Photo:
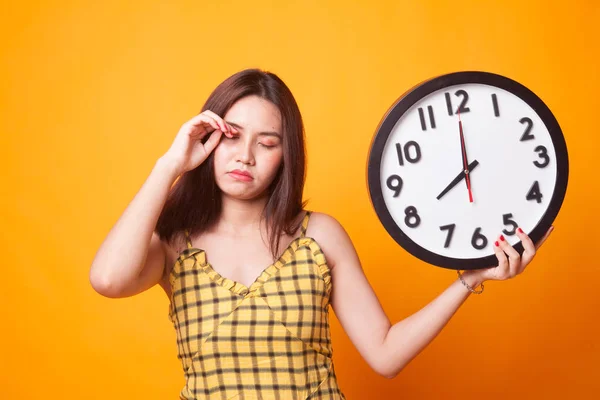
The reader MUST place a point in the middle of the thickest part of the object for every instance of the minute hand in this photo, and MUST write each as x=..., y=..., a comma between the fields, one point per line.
x=464, y=157
x=458, y=178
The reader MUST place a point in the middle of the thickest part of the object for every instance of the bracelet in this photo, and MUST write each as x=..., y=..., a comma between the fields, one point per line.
x=467, y=285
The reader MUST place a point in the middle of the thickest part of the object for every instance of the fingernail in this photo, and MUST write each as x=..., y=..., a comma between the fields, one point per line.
x=502, y=237
x=520, y=230
x=496, y=243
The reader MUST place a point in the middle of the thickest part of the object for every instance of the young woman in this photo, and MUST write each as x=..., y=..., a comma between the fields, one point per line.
x=220, y=224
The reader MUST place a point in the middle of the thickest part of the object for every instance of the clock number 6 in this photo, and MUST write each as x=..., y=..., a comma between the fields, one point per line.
x=506, y=218
x=474, y=240
x=478, y=236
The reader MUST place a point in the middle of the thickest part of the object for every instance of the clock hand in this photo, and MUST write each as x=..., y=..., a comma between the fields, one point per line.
x=461, y=175
x=464, y=157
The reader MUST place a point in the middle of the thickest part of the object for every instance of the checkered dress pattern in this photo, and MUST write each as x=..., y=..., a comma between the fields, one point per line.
x=267, y=341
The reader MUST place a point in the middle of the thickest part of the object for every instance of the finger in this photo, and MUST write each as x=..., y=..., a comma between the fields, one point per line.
x=212, y=141
x=199, y=119
x=224, y=126
x=529, y=249
x=502, y=262
x=218, y=119
x=514, y=258
x=232, y=129
x=204, y=120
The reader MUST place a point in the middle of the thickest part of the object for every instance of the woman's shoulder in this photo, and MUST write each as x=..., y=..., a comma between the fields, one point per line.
x=322, y=222
x=329, y=234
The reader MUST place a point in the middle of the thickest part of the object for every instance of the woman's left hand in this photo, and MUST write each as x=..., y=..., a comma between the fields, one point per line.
x=510, y=263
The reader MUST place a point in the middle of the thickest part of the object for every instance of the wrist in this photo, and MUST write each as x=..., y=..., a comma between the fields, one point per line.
x=472, y=278
x=168, y=165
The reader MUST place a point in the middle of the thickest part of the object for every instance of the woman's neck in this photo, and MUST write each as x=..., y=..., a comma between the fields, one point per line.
x=241, y=217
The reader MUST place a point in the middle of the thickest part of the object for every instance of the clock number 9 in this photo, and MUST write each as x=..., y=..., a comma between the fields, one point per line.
x=394, y=182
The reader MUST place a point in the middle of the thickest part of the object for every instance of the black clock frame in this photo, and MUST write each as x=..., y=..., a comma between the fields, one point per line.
x=404, y=103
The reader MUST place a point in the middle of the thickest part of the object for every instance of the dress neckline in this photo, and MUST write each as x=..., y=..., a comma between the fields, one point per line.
x=263, y=276
x=261, y=279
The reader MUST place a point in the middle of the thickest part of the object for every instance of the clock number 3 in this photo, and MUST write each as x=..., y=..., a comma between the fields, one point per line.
x=527, y=135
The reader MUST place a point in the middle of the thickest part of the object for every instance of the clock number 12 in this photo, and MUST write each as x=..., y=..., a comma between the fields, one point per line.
x=462, y=108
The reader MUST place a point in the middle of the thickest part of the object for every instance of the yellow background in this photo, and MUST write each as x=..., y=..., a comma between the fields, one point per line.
x=92, y=93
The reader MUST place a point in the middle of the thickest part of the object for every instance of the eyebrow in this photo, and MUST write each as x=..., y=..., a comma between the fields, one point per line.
x=268, y=133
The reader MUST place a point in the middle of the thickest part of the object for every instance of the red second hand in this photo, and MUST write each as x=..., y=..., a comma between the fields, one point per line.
x=462, y=142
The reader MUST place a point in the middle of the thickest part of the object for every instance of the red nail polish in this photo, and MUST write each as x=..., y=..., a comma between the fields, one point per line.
x=496, y=243
x=502, y=237
x=520, y=230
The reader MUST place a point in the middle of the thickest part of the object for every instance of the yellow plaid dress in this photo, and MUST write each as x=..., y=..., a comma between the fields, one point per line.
x=267, y=341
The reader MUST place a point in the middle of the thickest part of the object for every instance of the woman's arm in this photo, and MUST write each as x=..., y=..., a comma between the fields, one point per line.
x=386, y=348
x=131, y=259
x=408, y=337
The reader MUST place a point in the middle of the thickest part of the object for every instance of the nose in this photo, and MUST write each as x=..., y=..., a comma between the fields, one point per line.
x=245, y=154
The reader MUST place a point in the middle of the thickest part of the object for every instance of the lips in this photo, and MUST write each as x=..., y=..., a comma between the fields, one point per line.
x=241, y=174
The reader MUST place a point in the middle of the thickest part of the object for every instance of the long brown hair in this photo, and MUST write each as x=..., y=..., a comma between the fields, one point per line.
x=194, y=201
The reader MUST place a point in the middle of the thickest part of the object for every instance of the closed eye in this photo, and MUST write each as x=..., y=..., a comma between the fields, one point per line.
x=266, y=145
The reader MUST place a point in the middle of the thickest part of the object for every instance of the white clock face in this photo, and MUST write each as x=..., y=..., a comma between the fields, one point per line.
x=512, y=170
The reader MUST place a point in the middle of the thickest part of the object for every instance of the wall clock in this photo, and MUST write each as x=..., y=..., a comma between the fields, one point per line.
x=460, y=159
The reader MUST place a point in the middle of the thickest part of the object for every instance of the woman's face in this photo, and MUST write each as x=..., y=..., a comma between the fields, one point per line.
x=256, y=150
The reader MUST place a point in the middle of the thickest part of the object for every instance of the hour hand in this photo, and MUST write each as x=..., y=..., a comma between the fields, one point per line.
x=458, y=179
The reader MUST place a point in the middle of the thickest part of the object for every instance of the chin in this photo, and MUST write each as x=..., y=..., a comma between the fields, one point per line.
x=239, y=193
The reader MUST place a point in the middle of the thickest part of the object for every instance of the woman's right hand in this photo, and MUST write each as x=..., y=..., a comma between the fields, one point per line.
x=187, y=150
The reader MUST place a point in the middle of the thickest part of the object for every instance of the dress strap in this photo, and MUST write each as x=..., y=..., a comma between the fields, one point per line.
x=187, y=239
x=304, y=224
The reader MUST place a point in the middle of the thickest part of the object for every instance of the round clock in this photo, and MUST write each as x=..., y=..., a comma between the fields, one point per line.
x=462, y=158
